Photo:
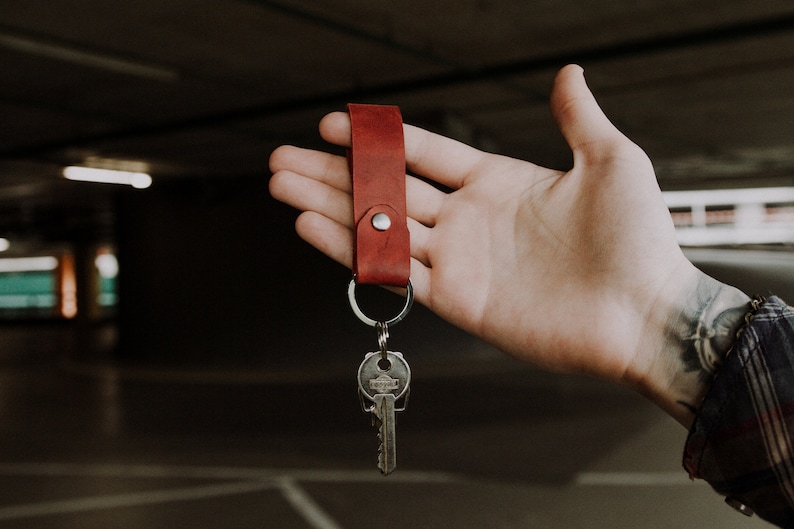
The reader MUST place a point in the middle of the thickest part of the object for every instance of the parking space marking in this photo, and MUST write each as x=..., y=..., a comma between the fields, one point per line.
x=305, y=505
x=220, y=472
x=243, y=481
x=132, y=499
x=634, y=479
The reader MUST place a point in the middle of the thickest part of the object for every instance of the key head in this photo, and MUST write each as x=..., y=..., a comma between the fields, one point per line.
x=380, y=376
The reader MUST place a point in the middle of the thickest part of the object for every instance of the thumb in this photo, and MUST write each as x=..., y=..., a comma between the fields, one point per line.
x=582, y=122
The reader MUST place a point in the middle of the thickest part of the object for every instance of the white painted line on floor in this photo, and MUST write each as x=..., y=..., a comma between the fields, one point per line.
x=135, y=471
x=216, y=472
x=633, y=479
x=373, y=476
x=305, y=505
x=132, y=499
x=274, y=475
x=254, y=480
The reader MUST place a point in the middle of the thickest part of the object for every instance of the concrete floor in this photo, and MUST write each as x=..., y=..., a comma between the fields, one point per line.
x=494, y=444
x=486, y=442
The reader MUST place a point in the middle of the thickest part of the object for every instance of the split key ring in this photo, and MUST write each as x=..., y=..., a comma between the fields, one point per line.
x=351, y=296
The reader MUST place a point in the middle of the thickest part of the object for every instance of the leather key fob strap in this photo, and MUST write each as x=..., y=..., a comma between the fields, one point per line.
x=382, y=253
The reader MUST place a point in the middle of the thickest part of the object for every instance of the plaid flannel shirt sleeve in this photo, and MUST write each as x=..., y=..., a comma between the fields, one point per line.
x=741, y=440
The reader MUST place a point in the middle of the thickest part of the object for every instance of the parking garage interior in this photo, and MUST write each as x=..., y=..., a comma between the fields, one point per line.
x=176, y=356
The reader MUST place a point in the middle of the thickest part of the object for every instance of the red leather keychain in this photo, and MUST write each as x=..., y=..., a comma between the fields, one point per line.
x=377, y=164
x=382, y=250
x=382, y=256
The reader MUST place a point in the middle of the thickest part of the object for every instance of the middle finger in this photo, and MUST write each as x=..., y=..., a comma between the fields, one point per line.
x=423, y=201
x=321, y=166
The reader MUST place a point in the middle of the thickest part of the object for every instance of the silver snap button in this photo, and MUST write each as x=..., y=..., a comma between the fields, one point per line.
x=381, y=221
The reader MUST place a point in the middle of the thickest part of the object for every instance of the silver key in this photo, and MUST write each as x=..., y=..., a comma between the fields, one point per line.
x=384, y=380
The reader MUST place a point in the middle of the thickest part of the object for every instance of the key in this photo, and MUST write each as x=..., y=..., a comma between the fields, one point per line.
x=384, y=380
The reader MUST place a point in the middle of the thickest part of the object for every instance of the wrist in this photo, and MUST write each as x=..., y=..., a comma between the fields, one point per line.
x=690, y=334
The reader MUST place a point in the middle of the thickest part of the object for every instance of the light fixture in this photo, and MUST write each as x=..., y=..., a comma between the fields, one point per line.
x=67, y=52
x=107, y=176
x=28, y=264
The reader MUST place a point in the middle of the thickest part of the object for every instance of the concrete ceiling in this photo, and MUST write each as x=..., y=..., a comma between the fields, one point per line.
x=198, y=89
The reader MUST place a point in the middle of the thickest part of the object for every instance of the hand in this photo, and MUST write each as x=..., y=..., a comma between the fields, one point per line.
x=574, y=271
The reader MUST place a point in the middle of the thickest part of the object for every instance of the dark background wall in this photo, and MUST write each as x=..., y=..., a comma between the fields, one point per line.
x=214, y=275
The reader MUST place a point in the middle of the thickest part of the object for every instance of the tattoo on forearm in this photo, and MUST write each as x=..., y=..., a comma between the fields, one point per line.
x=710, y=337
x=707, y=331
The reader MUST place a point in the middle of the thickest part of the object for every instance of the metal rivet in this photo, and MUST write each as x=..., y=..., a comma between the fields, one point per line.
x=381, y=222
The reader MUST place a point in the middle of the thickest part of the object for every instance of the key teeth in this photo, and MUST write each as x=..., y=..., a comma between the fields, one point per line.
x=382, y=456
x=382, y=461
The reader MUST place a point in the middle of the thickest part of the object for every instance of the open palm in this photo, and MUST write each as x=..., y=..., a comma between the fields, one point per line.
x=563, y=269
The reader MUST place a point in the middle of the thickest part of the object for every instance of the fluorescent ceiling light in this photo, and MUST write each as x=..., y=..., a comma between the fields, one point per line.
x=107, y=176
x=85, y=57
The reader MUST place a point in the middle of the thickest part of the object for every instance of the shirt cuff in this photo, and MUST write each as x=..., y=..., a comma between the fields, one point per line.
x=741, y=439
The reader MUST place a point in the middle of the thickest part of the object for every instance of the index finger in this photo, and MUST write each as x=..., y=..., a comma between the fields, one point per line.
x=441, y=159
